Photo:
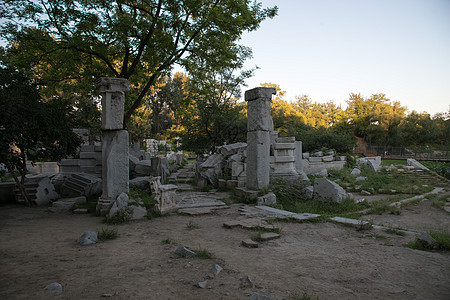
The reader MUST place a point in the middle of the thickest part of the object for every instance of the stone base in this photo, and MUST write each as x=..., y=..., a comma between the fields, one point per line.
x=104, y=206
x=289, y=177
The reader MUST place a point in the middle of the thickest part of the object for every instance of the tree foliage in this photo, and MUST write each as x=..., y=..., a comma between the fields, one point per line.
x=72, y=42
x=30, y=128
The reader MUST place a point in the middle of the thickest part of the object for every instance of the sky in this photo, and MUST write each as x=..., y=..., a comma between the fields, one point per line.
x=328, y=49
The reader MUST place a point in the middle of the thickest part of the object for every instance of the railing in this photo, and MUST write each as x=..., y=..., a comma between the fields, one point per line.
x=416, y=152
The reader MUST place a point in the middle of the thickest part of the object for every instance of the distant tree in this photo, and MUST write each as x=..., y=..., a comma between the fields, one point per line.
x=72, y=42
x=31, y=129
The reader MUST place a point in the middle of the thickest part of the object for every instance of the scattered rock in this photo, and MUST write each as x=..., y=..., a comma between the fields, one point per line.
x=308, y=192
x=137, y=212
x=267, y=199
x=217, y=269
x=251, y=280
x=356, y=171
x=87, y=238
x=363, y=192
x=141, y=183
x=61, y=206
x=54, y=287
x=202, y=284
x=361, y=178
x=249, y=243
x=184, y=252
x=427, y=240
x=417, y=165
x=80, y=211
x=321, y=172
x=232, y=223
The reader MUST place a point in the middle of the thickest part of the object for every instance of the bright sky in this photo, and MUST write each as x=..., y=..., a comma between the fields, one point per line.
x=328, y=49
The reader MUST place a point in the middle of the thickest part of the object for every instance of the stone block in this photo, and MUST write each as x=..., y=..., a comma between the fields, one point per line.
x=228, y=150
x=141, y=183
x=317, y=154
x=305, y=155
x=417, y=165
x=113, y=99
x=237, y=168
x=285, y=139
x=61, y=206
x=268, y=199
x=87, y=238
x=298, y=156
x=258, y=168
x=329, y=191
x=260, y=92
x=115, y=162
x=143, y=168
x=327, y=158
x=290, y=146
x=249, y=243
x=314, y=159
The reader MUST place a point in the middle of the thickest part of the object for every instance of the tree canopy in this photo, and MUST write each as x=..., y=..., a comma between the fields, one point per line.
x=72, y=42
x=30, y=128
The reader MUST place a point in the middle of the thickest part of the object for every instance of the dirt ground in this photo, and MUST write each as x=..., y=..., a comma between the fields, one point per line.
x=324, y=260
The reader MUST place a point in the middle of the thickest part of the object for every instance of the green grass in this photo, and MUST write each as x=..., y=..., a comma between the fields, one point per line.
x=192, y=225
x=90, y=205
x=388, y=162
x=107, y=234
x=121, y=217
x=442, y=238
x=204, y=254
x=166, y=241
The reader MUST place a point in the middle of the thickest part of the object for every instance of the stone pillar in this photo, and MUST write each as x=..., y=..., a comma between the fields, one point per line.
x=259, y=127
x=115, y=163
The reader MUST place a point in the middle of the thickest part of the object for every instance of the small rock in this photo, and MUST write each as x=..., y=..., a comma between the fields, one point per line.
x=356, y=171
x=363, y=192
x=266, y=236
x=138, y=268
x=231, y=224
x=202, y=284
x=427, y=240
x=87, y=238
x=185, y=252
x=361, y=178
x=249, y=243
x=251, y=280
x=54, y=287
x=217, y=269
x=107, y=295
x=80, y=211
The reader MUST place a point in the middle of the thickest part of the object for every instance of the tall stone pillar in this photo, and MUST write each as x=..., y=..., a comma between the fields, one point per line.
x=115, y=169
x=259, y=127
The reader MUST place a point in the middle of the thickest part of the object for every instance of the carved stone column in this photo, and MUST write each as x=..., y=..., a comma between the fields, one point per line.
x=115, y=168
x=259, y=127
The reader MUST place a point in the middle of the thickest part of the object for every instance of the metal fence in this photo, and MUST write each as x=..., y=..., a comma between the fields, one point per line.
x=416, y=152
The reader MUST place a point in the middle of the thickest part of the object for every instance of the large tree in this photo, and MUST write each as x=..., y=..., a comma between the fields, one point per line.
x=30, y=128
x=75, y=41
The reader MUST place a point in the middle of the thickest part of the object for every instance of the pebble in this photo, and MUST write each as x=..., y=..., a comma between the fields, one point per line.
x=54, y=287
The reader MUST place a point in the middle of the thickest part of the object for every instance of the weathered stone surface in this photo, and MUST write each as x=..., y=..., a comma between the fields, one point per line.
x=211, y=169
x=54, y=287
x=361, y=178
x=40, y=190
x=202, y=284
x=317, y=154
x=326, y=190
x=305, y=155
x=267, y=236
x=137, y=212
x=61, y=206
x=256, y=296
x=164, y=196
x=184, y=252
x=87, y=238
x=232, y=149
x=356, y=171
x=119, y=204
x=427, y=240
x=249, y=243
x=141, y=183
x=298, y=157
x=321, y=172
x=115, y=164
x=258, y=115
x=314, y=159
x=308, y=192
x=372, y=162
x=417, y=165
x=143, y=168
x=237, y=168
x=327, y=158
x=258, y=159
x=113, y=99
x=268, y=199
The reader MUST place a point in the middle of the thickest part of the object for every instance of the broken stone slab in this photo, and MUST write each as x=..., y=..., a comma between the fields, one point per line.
x=40, y=190
x=232, y=149
x=141, y=183
x=87, y=238
x=267, y=236
x=317, y=154
x=231, y=224
x=61, y=206
x=249, y=243
x=137, y=212
x=321, y=172
x=326, y=190
x=308, y=192
x=351, y=222
x=328, y=158
x=184, y=252
x=313, y=159
x=417, y=165
x=299, y=217
x=143, y=168
x=202, y=284
x=267, y=199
